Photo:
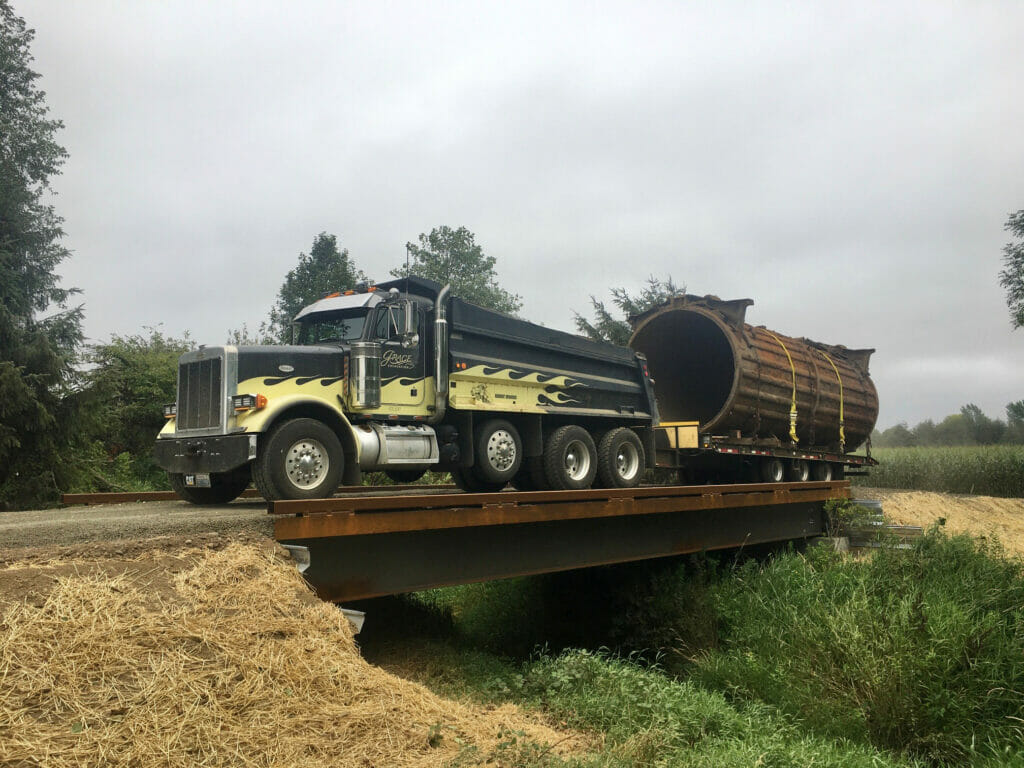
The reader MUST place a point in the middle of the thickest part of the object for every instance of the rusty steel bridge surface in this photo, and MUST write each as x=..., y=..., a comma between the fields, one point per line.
x=368, y=546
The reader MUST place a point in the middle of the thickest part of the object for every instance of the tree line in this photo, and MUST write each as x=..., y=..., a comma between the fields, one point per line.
x=969, y=427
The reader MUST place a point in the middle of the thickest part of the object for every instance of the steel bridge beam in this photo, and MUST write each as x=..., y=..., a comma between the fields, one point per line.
x=361, y=548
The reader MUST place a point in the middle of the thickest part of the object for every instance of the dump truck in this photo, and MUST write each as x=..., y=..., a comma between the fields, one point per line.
x=404, y=377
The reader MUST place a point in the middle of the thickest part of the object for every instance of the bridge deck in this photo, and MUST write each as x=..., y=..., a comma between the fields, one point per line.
x=362, y=547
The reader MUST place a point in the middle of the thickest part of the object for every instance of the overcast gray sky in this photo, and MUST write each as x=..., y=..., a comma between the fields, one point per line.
x=849, y=166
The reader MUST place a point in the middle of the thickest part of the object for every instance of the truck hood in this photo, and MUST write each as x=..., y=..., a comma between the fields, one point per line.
x=280, y=362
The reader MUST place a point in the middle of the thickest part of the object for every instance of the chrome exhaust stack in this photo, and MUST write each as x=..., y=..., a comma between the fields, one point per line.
x=440, y=356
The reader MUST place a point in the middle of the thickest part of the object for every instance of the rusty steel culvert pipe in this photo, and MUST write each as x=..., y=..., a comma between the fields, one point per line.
x=710, y=366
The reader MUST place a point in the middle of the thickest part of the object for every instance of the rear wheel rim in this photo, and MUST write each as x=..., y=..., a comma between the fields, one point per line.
x=501, y=450
x=307, y=463
x=577, y=460
x=627, y=461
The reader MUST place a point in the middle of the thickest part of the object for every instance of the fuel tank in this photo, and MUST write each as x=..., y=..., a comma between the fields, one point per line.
x=710, y=365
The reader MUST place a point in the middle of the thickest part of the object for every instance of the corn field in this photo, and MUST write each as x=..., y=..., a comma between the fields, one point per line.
x=990, y=470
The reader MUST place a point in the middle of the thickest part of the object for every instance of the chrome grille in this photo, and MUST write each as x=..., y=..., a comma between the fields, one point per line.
x=200, y=394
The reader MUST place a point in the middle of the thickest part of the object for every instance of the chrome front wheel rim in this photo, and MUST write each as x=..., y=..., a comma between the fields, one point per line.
x=307, y=463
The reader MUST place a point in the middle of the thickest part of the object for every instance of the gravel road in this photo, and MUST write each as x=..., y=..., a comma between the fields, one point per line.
x=110, y=522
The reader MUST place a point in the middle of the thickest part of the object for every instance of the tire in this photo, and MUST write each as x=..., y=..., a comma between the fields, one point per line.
x=467, y=481
x=570, y=459
x=299, y=459
x=620, y=459
x=498, y=452
x=772, y=470
x=404, y=476
x=799, y=471
x=821, y=471
x=224, y=486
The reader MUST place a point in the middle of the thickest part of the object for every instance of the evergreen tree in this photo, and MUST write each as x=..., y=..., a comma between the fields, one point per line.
x=452, y=257
x=325, y=270
x=37, y=350
x=606, y=327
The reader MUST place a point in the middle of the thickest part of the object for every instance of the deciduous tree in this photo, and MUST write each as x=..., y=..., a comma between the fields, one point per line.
x=1012, y=276
x=451, y=256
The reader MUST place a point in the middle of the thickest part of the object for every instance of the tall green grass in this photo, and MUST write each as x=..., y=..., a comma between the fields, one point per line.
x=909, y=657
x=920, y=651
x=990, y=470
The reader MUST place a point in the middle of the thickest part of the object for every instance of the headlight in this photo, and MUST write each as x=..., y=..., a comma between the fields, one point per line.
x=248, y=402
x=170, y=410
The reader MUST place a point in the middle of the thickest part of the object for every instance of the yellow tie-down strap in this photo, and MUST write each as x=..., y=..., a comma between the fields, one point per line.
x=792, y=405
x=842, y=423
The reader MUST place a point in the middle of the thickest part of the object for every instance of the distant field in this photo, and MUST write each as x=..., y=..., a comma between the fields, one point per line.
x=995, y=470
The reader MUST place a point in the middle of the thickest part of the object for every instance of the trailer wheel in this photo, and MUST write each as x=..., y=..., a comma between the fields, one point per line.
x=822, y=471
x=799, y=471
x=404, y=476
x=466, y=480
x=499, y=451
x=299, y=459
x=224, y=486
x=772, y=470
x=570, y=459
x=620, y=459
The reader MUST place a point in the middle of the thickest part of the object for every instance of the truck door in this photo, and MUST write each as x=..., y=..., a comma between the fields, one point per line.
x=402, y=360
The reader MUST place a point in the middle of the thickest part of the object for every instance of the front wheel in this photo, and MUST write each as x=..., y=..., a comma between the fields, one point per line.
x=620, y=459
x=224, y=486
x=299, y=459
x=570, y=459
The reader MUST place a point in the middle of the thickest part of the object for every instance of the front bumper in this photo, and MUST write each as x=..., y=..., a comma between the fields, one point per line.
x=219, y=453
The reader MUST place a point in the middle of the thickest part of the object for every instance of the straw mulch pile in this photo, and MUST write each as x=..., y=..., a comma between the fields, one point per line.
x=233, y=664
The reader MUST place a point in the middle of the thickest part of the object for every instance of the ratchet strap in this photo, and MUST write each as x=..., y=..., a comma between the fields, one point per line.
x=842, y=423
x=792, y=405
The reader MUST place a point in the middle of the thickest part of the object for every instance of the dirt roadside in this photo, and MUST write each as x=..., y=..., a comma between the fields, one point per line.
x=977, y=515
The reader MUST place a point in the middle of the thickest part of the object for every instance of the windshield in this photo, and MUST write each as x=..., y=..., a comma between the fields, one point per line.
x=332, y=327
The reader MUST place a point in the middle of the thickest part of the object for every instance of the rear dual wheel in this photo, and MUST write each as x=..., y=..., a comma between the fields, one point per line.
x=620, y=459
x=570, y=459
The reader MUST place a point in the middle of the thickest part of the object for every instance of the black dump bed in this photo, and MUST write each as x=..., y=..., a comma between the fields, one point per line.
x=600, y=378
x=566, y=374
